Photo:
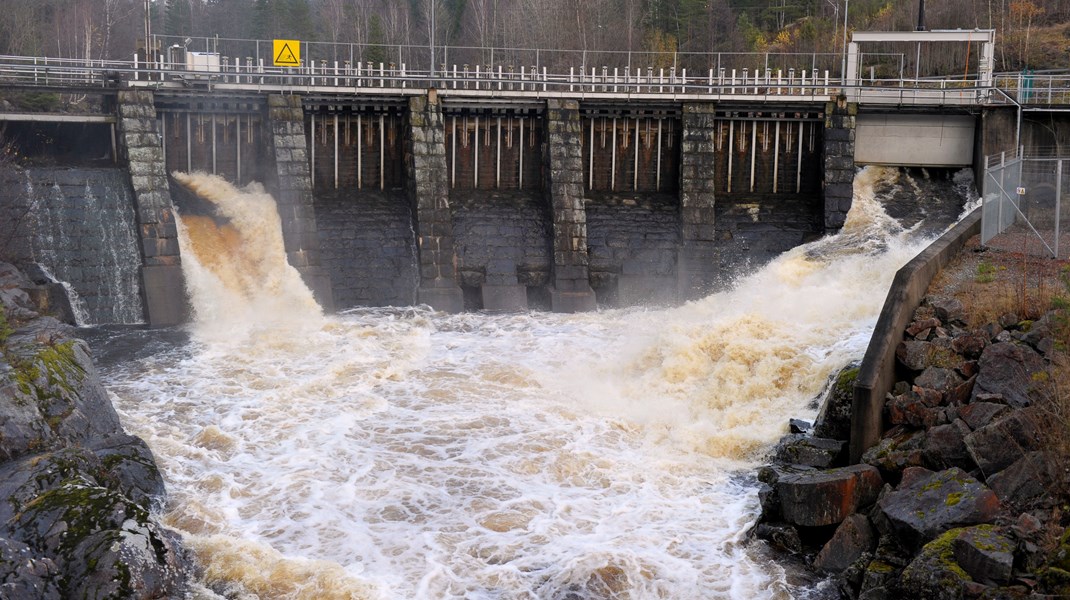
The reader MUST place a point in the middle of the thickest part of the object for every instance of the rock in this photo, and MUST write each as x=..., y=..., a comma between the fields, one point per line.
x=854, y=537
x=129, y=460
x=1008, y=369
x=945, y=446
x=1008, y=320
x=910, y=409
x=939, y=379
x=103, y=544
x=991, y=331
x=24, y=575
x=927, y=504
x=979, y=414
x=801, y=449
x=896, y=451
x=971, y=345
x=13, y=297
x=782, y=535
x=985, y=554
x=922, y=325
x=934, y=574
x=947, y=309
x=914, y=355
x=827, y=497
x=834, y=420
x=1041, y=335
x=799, y=426
x=1027, y=481
x=997, y=445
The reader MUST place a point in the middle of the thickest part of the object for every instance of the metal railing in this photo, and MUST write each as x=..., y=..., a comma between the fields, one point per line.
x=1045, y=89
x=364, y=77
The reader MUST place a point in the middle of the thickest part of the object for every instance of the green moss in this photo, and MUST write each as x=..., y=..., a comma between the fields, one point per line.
x=879, y=566
x=845, y=383
x=953, y=498
x=942, y=548
x=5, y=328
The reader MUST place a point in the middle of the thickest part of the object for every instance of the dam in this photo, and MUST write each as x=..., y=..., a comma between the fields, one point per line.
x=504, y=190
x=409, y=444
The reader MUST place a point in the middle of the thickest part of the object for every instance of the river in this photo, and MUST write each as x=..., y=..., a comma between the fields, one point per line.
x=402, y=453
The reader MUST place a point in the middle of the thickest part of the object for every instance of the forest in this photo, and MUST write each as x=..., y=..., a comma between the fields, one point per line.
x=1031, y=34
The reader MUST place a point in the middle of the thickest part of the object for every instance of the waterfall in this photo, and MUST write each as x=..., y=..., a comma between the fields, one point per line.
x=235, y=267
x=84, y=234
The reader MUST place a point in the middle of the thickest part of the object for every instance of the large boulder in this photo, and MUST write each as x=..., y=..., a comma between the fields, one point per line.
x=1007, y=369
x=985, y=554
x=1027, y=482
x=997, y=445
x=928, y=503
x=801, y=449
x=934, y=574
x=103, y=544
x=945, y=446
x=820, y=498
x=834, y=419
x=853, y=538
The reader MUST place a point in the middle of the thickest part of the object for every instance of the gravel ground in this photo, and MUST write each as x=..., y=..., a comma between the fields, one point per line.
x=1013, y=273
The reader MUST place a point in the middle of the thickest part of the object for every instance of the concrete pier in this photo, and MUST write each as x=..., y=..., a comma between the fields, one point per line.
x=162, y=284
x=571, y=291
x=292, y=190
x=429, y=192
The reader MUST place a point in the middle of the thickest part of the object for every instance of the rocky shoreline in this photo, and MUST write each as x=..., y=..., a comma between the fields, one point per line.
x=75, y=489
x=964, y=495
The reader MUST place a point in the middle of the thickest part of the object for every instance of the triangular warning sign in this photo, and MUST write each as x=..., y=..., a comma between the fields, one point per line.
x=287, y=53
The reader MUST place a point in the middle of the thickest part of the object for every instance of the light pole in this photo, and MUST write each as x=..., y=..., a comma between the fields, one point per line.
x=843, y=65
x=432, y=38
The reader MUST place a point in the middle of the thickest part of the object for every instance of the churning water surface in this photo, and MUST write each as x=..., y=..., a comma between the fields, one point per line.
x=403, y=453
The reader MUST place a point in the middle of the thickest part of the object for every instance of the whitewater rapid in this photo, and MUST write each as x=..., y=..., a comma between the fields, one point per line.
x=402, y=453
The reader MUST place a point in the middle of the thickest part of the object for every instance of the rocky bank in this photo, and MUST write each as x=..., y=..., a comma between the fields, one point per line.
x=75, y=488
x=963, y=497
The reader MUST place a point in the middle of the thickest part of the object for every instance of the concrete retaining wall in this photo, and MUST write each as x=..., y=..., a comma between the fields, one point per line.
x=876, y=376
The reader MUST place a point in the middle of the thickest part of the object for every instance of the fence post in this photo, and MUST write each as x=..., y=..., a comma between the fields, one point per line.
x=1058, y=201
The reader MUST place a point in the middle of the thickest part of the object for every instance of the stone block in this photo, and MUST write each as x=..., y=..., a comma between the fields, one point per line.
x=573, y=301
x=165, y=295
x=827, y=497
x=504, y=298
x=442, y=294
x=926, y=504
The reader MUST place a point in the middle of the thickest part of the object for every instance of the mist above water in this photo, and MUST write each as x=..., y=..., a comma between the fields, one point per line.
x=402, y=453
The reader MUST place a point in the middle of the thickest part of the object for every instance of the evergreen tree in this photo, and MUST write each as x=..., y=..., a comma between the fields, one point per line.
x=178, y=18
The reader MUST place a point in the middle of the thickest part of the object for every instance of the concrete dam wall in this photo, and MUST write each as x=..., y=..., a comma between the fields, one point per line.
x=468, y=204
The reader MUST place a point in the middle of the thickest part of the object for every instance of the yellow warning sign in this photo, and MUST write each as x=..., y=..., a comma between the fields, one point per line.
x=287, y=53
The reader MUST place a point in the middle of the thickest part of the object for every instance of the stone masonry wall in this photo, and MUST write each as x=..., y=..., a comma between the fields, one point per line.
x=368, y=247
x=698, y=259
x=293, y=194
x=425, y=165
x=839, y=161
x=564, y=155
x=162, y=285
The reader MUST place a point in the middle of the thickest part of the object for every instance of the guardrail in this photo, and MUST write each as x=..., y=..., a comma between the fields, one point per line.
x=345, y=77
x=1045, y=89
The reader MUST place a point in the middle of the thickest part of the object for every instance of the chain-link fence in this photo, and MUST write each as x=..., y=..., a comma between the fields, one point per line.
x=1022, y=203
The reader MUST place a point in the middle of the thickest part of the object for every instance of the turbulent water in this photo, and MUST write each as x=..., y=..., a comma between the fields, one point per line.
x=396, y=454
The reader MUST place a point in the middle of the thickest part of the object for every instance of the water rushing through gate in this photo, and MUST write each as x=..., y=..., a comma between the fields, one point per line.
x=400, y=453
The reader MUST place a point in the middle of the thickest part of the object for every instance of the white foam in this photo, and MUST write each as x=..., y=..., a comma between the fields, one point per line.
x=408, y=454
